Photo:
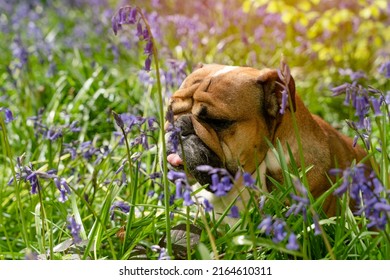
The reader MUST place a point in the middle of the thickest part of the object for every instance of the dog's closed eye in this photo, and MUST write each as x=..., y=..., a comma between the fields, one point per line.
x=219, y=124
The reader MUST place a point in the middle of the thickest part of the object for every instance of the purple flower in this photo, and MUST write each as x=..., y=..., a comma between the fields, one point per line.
x=148, y=63
x=301, y=201
x=148, y=48
x=376, y=106
x=340, y=90
x=175, y=175
x=187, y=198
x=276, y=228
x=164, y=255
x=234, y=213
x=359, y=98
x=220, y=186
x=283, y=105
x=8, y=114
x=248, y=180
x=121, y=205
x=118, y=120
x=208, y=207
x=33, y=179
x=266, y=225
x=128, y=15
x=173, y=137
x=385, y=69
x=63, y=187
x=74, y=229
x=367, y=191
x=183, y=189
x=354, y=75
x=317, y=227
x=292, y=242
x=19, y=52
x=54, y=133
x=285, y=77
x=279, y=230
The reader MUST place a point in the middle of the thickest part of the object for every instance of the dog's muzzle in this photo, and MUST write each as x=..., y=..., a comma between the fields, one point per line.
x=191, y=151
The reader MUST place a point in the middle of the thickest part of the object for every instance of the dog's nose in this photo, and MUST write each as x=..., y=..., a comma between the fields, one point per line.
x=185, y=125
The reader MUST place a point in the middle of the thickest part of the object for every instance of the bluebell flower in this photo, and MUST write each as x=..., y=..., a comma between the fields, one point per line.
x=354, y=75
x=74, y=229
x=33, y=179
x=19, y=52
x=148, y=48
x=279, y=231
x=128, y=15
x=276, y=229
x=9, y=117
x=118, y=120
x=63, y=187
x=183, y=188
x=385, y=69
x=221, y=180
x=220, y=186
x=121, y=205
x=148, y=63
x=266, y=225
x=376, y=106
x=292, y=242
x=284, y=102
x=317, y=227
x=301, y=201
x=359, y=98
x=234, y=212
x=285, y=77
x=164, y=255
x=187, y=198
x=208, y=207
x=27, y=173
x=54, y=133
x=368, y=193
x=174, y=138
x=248, y=180
x=175, y=175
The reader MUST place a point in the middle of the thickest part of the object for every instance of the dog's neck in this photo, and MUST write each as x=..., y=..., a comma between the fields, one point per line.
x=288, y=137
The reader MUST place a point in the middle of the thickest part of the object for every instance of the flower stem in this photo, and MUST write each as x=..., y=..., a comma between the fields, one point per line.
x=162, y=132
x=17, y=184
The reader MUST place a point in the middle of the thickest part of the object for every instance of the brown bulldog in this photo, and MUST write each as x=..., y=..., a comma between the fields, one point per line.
x=226, y=113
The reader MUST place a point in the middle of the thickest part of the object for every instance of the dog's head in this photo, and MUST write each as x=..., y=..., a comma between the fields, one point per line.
x=225, y=114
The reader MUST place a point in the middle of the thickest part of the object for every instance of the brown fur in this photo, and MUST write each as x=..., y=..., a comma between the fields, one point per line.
x=251, y=98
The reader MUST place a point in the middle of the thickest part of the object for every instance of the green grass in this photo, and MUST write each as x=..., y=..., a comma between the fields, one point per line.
x=97, y=74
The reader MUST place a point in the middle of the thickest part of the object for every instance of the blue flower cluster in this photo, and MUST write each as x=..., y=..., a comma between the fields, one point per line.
x=121, y=205
x=368, y=192
x=276, y=228
x=129, y=16
x=27, y=173
x=285, y=77
x=74, y=229
x=183, y=188
x=9, y=117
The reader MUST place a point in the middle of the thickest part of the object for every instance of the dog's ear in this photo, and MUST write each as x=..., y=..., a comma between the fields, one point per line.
x=273, y=88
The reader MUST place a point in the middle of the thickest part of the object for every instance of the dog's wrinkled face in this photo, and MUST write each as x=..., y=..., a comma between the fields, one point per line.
x=225, y=115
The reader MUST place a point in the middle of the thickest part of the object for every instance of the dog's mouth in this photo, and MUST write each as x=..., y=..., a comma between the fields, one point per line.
x=191, y=153
x=175, y=162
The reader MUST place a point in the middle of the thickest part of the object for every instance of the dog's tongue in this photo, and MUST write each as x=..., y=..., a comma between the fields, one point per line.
x=174, y=160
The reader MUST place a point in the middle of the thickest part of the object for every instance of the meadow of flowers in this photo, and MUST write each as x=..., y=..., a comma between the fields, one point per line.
x=83, y=91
